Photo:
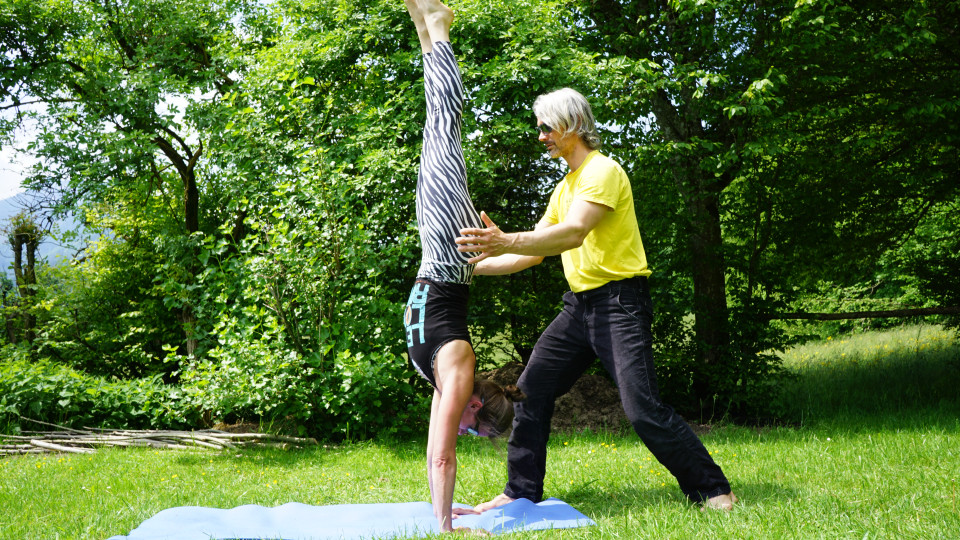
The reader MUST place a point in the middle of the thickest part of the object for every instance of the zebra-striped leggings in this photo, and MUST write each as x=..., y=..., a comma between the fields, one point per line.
x=443, y=200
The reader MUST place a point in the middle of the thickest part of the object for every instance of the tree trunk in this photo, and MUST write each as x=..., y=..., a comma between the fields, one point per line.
x=8, y=317
x=709, y=294
x=26, y=276
x=188, y=322
x=185, y=164
x=191, y=204
x=191, y=198
x=701, y=194
x=10, y=328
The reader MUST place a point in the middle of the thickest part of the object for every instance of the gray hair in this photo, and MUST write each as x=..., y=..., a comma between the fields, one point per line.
x=567, y=111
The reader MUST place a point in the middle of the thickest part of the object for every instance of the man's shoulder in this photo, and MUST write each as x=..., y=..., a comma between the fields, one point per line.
x=602, y=164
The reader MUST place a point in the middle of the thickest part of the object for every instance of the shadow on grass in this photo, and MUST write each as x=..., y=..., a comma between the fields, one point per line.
x=323, y=452
x=853, y=422
x=612, y=503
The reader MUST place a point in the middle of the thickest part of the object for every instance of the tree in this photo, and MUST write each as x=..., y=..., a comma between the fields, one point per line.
x=324, y=154
x=683, y=82
x=105, y=312
x=113, y=78
x=25, y=236
x=871, y=129
x=860, y=164
x=775, y=149
x=744, y=101
x=8, y=301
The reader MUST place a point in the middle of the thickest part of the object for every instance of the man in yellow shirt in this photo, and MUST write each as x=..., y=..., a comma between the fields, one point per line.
x=592, y=224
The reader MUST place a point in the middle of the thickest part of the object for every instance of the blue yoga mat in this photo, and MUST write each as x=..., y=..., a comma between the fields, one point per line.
x=295, y=521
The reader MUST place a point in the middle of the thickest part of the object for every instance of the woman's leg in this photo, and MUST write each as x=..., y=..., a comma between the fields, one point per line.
x=444, y=205
x=426, y=44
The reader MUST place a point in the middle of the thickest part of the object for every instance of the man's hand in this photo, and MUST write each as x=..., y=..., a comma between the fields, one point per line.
x=490, y=241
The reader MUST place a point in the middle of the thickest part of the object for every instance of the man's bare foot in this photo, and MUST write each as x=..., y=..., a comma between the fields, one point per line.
x=496, y=502
x=720, y=502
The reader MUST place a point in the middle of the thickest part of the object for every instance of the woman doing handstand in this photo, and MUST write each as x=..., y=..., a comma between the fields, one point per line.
x=436, y=315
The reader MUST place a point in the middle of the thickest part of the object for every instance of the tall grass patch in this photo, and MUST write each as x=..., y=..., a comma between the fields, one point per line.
x=897, y=371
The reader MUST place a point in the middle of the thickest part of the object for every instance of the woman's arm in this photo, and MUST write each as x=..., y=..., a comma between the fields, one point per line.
x=431, y=434
x=505, y=264
x=454, y=366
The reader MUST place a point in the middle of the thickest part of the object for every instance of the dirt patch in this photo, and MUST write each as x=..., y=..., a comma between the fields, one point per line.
x=593, y=403
x=285, y=426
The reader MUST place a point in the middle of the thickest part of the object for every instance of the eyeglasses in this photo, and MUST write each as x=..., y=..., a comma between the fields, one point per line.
x=545, y=129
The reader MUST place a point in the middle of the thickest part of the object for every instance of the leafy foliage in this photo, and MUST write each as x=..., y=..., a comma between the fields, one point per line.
x=314, y=288
x=50, y=392
x=308, y=334
x=105, y=313
x=250, y=170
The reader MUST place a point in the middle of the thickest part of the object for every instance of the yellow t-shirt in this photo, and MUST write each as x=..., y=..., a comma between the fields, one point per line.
x=613, y=250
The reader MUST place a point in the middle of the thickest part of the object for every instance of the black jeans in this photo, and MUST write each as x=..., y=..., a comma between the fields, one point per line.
x=611, y=323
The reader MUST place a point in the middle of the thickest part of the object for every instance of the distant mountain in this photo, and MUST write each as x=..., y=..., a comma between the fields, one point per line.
x=49, y=250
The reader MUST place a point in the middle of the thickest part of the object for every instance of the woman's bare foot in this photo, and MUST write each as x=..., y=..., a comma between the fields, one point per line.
x=438, y=17
x=416, y=14
x=436, y=8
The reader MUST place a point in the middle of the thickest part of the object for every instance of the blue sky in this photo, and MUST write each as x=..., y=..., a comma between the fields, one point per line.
x=10, y=173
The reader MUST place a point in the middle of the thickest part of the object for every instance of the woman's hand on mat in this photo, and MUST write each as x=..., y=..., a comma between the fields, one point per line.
x=463, y=512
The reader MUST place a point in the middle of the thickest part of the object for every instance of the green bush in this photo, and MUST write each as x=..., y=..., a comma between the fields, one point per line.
x=342, y=395
x=307, y=315
x=49, y=392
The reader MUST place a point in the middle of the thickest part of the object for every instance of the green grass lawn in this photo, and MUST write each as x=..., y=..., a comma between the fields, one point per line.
x=875, y=454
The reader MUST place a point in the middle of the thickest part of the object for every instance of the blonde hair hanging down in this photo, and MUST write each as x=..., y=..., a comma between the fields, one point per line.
x=567, y=111
x=496, y=415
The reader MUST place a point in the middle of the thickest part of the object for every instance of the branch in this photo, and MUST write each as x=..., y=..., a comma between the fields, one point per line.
x=19, y=104
x=60, y=448
x=864, y=314
x=59, y=427
x=85, y=442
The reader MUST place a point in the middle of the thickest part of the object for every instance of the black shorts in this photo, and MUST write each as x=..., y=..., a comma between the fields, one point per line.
x=436, y=314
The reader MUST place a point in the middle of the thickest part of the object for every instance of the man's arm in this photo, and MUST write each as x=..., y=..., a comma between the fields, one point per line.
x=582, y=218
x=508, y=263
